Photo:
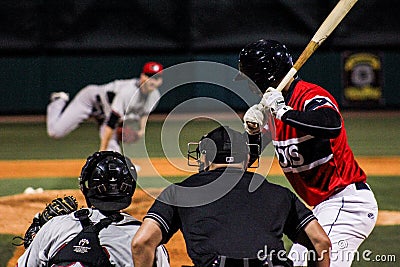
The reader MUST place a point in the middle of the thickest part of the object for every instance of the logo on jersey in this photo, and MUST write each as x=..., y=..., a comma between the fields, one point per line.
x=317, y=102
x=82, y=247
x=302, y=154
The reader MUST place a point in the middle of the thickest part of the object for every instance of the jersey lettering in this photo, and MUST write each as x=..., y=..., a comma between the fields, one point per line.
x=289, y=156
x=301, y=154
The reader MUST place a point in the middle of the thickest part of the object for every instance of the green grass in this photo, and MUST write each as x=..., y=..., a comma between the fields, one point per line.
x=30, y=141
x=6, y=249
x=379, y=136
x=17, y=186
x=176, y=137
x=367, y=137
x=385, y=188
x=383, y=243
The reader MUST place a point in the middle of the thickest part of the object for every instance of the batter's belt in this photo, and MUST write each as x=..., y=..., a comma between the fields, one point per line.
x=361, y=186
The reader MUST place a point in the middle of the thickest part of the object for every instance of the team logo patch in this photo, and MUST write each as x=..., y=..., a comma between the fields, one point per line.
x=83, y=246
x=371, y=216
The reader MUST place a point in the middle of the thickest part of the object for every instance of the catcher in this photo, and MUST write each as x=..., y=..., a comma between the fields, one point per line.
x=96, y=236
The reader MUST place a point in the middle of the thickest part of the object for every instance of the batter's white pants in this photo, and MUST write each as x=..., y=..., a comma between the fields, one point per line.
x=348, y=218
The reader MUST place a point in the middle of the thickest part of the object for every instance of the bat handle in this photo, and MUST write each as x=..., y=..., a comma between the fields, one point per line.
x=305, y=55
x=286, y=79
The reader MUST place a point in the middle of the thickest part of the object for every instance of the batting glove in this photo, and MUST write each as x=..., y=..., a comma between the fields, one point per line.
x=273, y=100
x=254, y=119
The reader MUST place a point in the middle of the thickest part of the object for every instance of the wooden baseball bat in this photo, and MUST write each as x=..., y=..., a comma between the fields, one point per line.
x=330, y=23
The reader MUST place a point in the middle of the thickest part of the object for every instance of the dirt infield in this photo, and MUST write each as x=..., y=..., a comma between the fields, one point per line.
x=72, y=167
x=21, y=208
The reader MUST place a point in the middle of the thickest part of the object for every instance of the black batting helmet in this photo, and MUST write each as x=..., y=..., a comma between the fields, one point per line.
x=265, y=62
x=108, y=181
x=224, y=145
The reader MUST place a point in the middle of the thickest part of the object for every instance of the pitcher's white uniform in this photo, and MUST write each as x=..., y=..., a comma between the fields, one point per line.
x=98, y=101
x=116, y=238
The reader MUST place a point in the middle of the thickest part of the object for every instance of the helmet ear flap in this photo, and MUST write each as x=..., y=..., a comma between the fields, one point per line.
x=87, y=170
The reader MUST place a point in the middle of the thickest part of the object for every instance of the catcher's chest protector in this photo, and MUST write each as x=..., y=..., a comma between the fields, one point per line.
x=84, y=249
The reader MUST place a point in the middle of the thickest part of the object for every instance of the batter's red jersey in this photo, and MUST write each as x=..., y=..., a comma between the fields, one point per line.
x=315, y=167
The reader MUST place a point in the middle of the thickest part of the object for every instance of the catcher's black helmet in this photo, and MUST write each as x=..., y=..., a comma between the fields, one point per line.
x=108, y=181
x=224, y=145
x=265, y=62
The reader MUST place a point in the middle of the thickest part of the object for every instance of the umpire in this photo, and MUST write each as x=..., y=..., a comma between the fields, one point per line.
x=223, y=222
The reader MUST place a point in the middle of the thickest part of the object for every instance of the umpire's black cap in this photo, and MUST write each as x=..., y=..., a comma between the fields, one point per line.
x=224, y=145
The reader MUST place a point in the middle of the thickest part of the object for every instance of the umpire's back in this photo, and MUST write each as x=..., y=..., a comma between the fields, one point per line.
x=240, y=224
x=223, y=222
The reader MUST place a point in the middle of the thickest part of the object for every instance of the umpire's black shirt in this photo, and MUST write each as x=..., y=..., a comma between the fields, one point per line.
x=238, y=224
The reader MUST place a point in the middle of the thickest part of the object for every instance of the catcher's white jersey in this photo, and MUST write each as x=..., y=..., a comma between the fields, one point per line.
x=116, y=238
x=120, y=96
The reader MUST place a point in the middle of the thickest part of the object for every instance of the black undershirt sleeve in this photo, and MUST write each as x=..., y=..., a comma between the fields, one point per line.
x=113, y=120
x=322, y=122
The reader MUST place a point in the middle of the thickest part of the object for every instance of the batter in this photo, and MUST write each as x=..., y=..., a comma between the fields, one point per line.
x=311, y=145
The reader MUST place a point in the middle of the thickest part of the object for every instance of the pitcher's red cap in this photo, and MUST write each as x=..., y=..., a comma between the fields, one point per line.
x=151, y=68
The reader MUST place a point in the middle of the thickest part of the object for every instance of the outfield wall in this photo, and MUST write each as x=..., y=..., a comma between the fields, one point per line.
x=27, y=81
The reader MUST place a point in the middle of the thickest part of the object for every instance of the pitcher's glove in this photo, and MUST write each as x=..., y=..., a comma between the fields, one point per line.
x=58, y=206
x=127, y=135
